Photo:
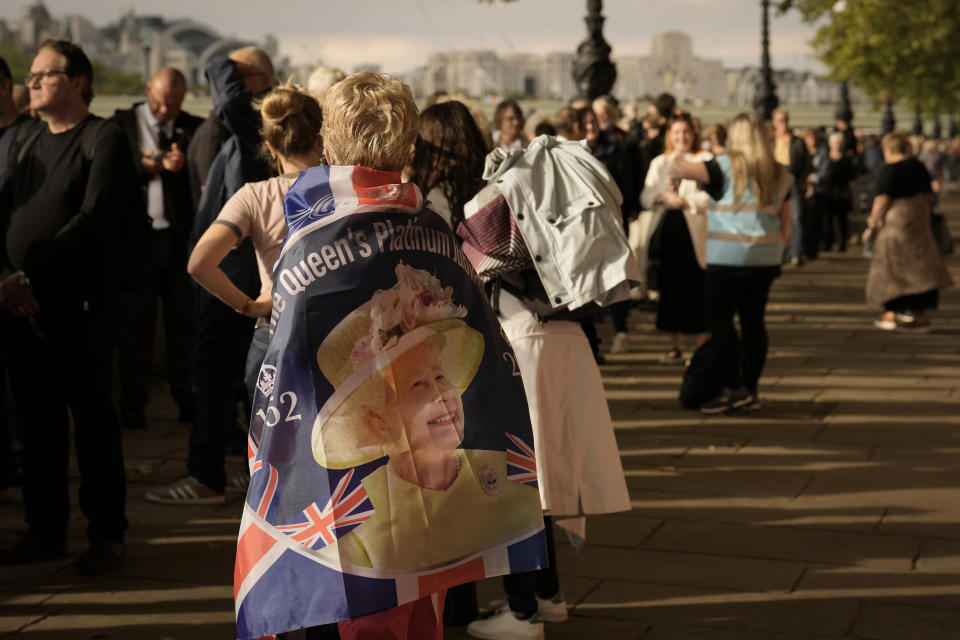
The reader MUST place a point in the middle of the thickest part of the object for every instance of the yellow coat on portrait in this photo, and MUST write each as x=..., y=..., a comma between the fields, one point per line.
x=413, y=527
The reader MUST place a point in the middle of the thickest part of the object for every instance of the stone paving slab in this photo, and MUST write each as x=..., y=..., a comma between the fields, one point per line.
x=935, y=521
x=766, y=426
x=619, y=530
x=783, y=543
x=896, y=622
x=687, y=632
x=730, y=481
x=655, y=603
x=759, y=455
x=778, y=511
x=691, y=569
x=939, y=589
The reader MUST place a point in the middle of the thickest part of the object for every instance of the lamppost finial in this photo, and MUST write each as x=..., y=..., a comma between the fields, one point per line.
x=593, y=72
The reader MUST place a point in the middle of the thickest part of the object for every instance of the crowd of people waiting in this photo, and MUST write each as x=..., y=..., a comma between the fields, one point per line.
x=103, y=219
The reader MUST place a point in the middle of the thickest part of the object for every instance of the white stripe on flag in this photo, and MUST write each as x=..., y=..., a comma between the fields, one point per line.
x=408, y=588
x=496, y=561
x=346, y=203
x=341, y=186
x=245, y=522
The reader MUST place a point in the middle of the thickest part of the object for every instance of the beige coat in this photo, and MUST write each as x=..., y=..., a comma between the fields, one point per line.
x=906, y=260
x=696, y=198
x=578, y=463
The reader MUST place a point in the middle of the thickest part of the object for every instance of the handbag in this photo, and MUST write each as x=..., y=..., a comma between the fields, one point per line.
x=941, y=234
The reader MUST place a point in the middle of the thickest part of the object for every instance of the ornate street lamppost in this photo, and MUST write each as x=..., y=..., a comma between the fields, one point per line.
x=844, y=112
x=918, y=120
x=889, y=123
x=593, y=72
x=766, y=99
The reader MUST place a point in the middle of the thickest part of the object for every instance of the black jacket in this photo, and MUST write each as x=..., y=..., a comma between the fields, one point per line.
x=178, y=205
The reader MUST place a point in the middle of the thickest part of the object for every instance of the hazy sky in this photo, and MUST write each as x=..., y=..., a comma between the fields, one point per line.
x=398, y=34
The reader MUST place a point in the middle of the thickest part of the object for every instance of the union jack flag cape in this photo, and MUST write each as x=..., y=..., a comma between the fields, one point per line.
x=351, y=232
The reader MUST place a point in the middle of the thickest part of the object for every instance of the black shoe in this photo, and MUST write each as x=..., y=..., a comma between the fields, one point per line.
x=187, y=413
x=30, y=549
x=136, y=422
x=727, y=400
x=100, y=557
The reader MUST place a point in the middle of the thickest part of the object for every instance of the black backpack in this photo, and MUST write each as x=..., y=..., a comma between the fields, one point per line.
x=702, y=379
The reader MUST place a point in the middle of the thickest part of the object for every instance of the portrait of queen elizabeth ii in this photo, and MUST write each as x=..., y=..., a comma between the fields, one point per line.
x=399, y=365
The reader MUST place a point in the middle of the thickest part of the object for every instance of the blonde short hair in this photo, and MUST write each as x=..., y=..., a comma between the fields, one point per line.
x=369, y=119
x=836, y=139
x=322, y=79
x=897, y=142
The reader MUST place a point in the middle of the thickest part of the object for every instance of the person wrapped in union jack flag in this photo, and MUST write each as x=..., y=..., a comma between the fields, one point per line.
x=382, y=473
x=415, y=356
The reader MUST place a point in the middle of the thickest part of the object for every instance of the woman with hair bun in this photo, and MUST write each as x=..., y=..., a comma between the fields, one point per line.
x=291, y=137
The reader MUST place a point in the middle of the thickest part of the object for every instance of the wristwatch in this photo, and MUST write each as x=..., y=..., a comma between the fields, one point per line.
x=22, y=279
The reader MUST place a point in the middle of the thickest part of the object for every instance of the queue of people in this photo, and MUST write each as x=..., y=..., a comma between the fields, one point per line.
x=227, y=201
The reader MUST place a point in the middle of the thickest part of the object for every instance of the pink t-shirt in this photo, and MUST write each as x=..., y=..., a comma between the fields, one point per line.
x=257, y=210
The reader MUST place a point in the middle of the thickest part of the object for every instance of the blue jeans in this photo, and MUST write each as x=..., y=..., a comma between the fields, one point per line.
x=795, y=248
x=255, y=355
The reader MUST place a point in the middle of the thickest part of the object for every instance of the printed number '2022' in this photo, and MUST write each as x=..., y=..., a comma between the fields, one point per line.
x=271, y=417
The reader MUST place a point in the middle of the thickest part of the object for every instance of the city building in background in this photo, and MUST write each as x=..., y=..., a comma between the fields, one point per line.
x=141, y=44
x=138, y=44
x=671, y=67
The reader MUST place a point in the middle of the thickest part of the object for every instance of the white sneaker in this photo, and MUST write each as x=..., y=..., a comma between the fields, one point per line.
x=503, y=625
x=619, y=344
x=549, y=609
x=553, y=609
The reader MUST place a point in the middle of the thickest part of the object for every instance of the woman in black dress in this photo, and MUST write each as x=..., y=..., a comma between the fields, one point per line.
x=834, y=188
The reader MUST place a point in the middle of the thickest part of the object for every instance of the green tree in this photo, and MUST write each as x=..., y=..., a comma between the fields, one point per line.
x=110, y=82
x=890, y=49
x=17, y=59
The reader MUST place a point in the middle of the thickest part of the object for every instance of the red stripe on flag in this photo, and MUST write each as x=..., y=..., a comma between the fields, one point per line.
x=521, y=444
x=253, y=545
x=367, y=178
x=523, y=462
x=268, y=493
x=461, y=574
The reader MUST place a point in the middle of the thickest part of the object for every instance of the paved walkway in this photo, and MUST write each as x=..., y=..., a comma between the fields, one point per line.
x=832, y=513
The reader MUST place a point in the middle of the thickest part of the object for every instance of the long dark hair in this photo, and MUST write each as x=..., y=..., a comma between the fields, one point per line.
x=449, y=154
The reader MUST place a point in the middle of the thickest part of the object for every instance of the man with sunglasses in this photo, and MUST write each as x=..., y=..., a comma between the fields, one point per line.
x=63, y=209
